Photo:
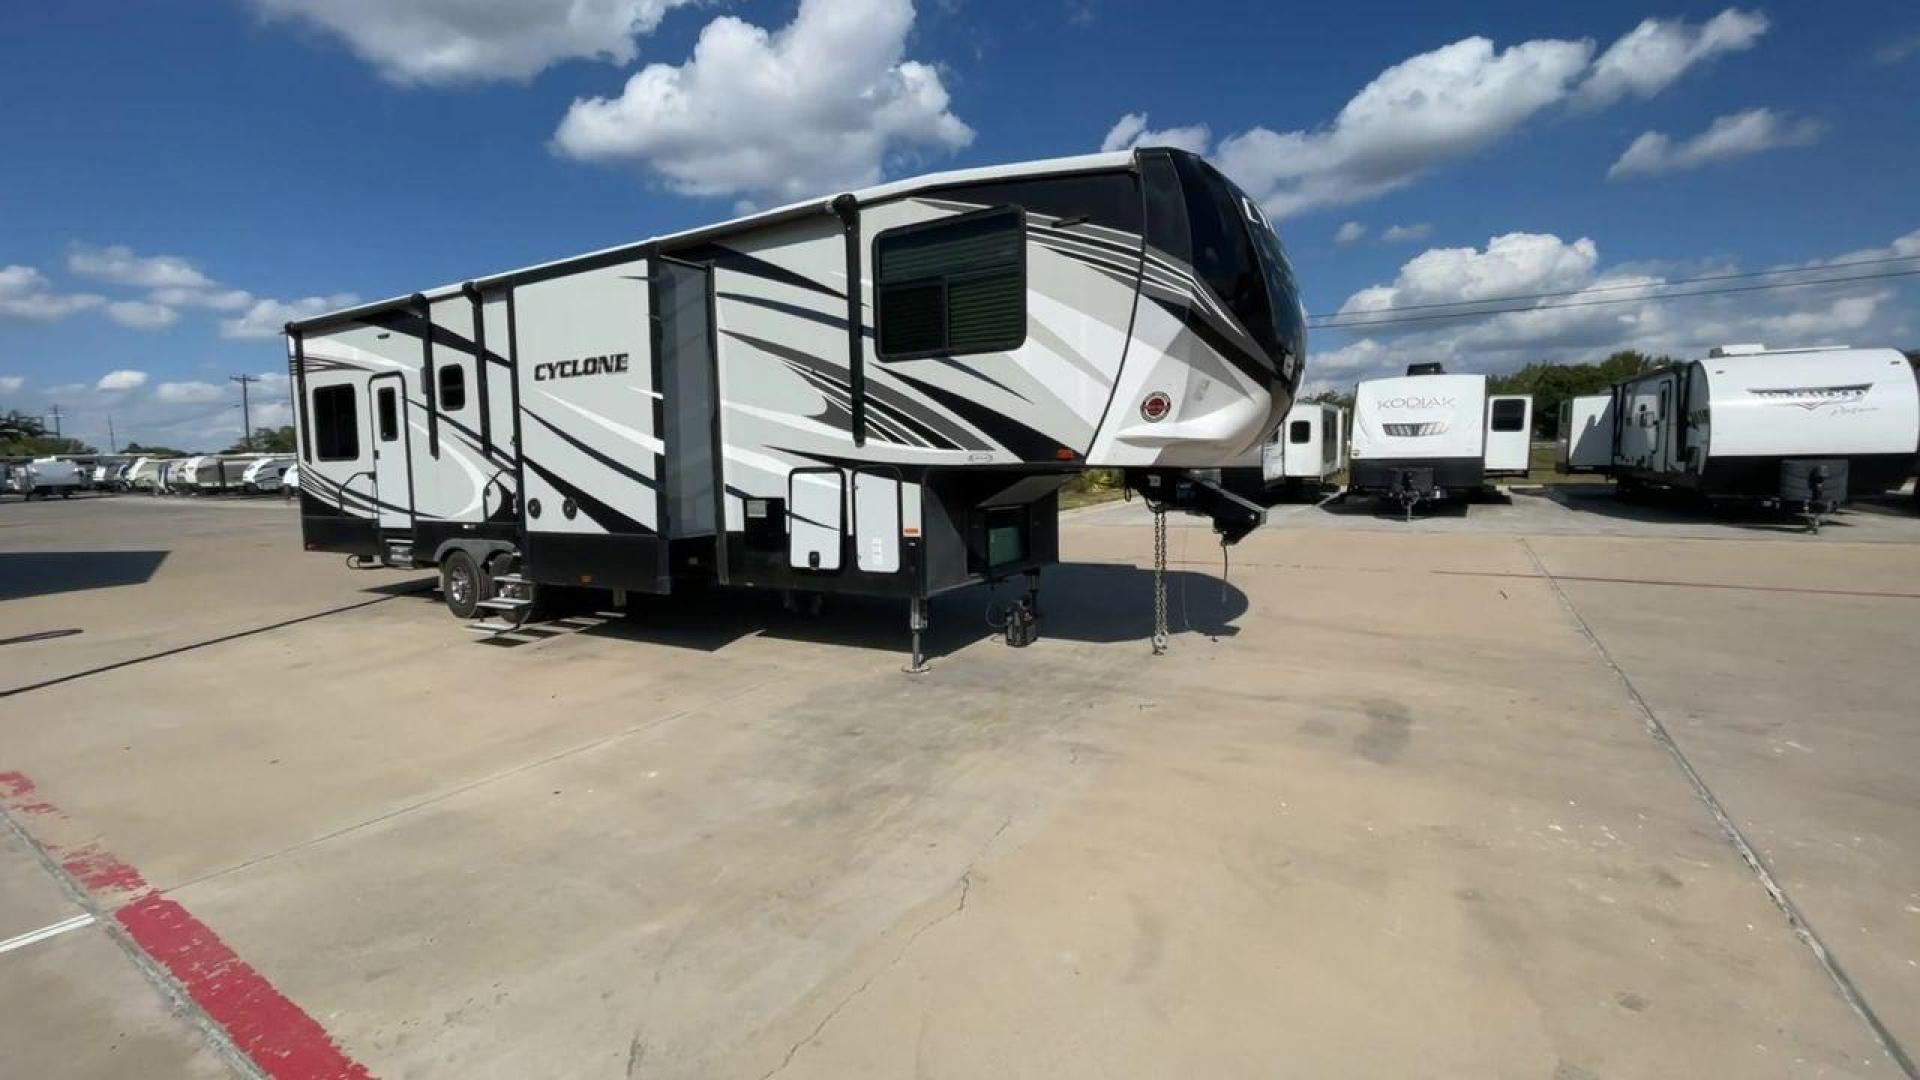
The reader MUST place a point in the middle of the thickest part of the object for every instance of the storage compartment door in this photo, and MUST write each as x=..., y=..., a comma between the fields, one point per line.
x=1509, y=429
x=876, y=521
x=816, y=515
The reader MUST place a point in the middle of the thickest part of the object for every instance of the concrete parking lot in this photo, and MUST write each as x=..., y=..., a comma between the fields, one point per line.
x=1549, y=787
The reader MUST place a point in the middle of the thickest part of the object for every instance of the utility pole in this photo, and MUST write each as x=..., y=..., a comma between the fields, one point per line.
x=54, y=411
x=246, y=412
x=113, y=444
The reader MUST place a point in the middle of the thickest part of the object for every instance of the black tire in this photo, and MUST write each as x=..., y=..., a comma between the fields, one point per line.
x=462, y=584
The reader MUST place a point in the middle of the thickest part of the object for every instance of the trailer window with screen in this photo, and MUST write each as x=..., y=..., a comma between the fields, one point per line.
x=453, y=388
x=389, y=415
x=1509, y=414
x=953, y=286
x=336, y=423
x=1300, y=431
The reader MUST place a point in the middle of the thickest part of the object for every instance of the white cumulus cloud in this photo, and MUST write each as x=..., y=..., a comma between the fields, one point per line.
x=118, y=265
x=1593, y=310
x=821, y=104
x=189, y=393
x=1657, y=52
x=121, y=380
x=11, y=384
x=140, y=315
x=1131, y=131
x=1402, y=234
x=444, y=42
x=25, y=294
x=268, y=318
x=1350, y=233
x=1445, y=105
x=1739, y=135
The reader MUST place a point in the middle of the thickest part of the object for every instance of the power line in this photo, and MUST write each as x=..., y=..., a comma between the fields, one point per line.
x=1364, y=323
x=1617, y=288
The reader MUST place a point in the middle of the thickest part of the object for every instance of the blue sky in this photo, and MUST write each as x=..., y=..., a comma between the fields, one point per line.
x=176, y=179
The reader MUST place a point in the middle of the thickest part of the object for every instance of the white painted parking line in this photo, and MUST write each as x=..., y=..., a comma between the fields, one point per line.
x=45, y=932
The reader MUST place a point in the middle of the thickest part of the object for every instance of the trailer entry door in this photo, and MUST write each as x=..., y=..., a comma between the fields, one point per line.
x=1509, y=423
x=392, y=472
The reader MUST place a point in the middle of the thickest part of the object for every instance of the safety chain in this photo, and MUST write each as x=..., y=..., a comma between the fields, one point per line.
x=1159, y=582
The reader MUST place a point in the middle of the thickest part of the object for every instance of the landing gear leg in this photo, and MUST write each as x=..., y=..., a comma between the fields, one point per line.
x=917, y=622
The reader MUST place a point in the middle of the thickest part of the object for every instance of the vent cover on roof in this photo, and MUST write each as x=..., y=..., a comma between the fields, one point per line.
x=1428, y=368
x=1753, y=349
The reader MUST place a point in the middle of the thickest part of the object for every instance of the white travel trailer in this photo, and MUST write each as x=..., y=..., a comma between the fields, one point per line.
x=1585, y=437
x=175, y=476
x=220, y=473
x=718, y=405
x=1428, y=435
x=1309, y=448
x=263, y=474
x=1805, y=428
x=45, y=477
x=138, y=475
x=182, y=475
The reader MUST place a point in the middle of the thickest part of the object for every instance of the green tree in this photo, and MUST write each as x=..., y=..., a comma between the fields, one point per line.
x=22, y=435
x=265, y=441
x=1338, y=398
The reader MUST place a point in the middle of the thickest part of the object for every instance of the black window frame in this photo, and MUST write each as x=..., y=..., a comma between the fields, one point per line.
x=451, y=397
x=326, y=436
x=1018, y=214
x=386, y=414
x=1519, y=416
x=1299, y=432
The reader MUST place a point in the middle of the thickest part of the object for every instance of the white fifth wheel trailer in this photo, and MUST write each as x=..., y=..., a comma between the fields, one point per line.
x=45, y=477
x=1584, y=443
x=877, y=393
x=1804, y=428
x=1428, y=435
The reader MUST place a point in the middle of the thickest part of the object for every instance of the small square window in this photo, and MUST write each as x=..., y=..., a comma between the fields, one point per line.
x=1300, y=431
x=389, y=414
x=1509, y=414
x=453, y=388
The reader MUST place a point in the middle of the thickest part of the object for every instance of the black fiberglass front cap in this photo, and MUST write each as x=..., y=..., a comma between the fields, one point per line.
x=1198, y=217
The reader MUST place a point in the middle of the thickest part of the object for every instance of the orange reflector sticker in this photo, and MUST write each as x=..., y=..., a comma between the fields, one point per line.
x=909, y=532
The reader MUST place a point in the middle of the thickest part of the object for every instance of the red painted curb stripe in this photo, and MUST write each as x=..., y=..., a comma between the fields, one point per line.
x=274, y=1033
x=282, y=1040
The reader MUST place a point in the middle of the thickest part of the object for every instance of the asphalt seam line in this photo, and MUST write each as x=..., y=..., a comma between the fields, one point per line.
x=222, y=639
x=21, y=941
x=1748, y=853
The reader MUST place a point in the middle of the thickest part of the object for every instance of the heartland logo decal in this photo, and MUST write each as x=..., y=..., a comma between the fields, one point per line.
x=1813, y=397
x=610, y=364
x=1419, y=403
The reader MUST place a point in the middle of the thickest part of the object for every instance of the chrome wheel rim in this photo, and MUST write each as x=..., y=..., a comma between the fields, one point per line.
x=460, y=585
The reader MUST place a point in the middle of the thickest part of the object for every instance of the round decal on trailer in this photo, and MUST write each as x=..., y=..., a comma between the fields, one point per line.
x=1156, y=407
